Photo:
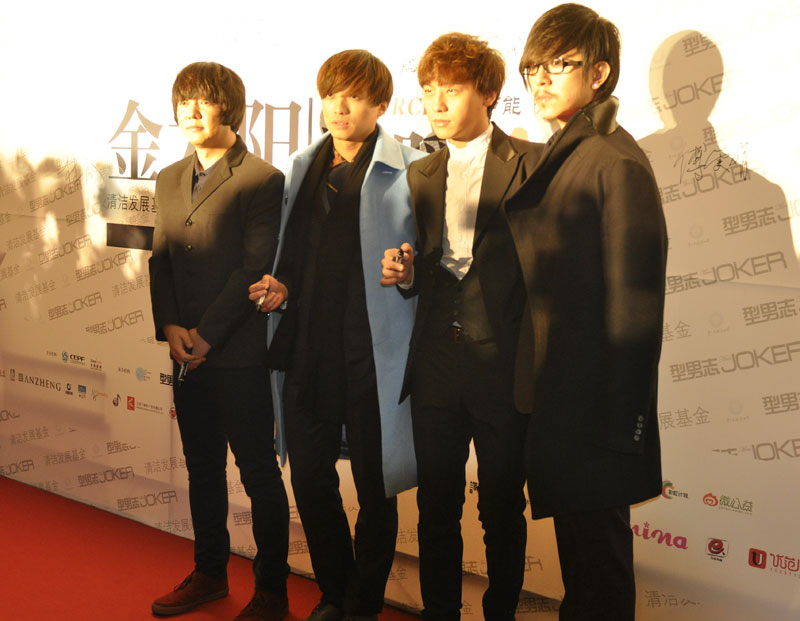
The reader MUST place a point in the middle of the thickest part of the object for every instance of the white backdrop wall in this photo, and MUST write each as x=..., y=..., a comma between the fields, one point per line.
x=709, y=90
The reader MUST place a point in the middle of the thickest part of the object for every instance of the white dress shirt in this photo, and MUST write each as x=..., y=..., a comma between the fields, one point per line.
x=464, y=179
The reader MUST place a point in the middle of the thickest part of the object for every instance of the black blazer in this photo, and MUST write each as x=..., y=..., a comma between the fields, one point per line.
x=590, y=234
x=208, y=251
x=493, y=253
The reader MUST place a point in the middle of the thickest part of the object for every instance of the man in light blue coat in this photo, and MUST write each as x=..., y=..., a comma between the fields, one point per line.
x=342, y=339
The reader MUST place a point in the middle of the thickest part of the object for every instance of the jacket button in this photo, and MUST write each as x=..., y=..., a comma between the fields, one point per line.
x=188, y=247
x=637, y=438
x=640, y=425
x=641, y=419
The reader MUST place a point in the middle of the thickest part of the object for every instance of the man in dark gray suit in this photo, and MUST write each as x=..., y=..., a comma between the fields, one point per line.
x=216, y=232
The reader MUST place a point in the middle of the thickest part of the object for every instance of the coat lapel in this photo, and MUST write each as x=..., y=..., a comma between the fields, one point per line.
x=222, y=172
x=185, y=188
x=550, y=161
x=428, y=201
x=501, y=164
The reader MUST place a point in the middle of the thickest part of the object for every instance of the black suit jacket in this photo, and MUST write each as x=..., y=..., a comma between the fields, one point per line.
x=207, y=252
x=493, y=254
x=591, y=238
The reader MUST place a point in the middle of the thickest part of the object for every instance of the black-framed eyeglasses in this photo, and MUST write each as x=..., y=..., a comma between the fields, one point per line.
x=556, y=66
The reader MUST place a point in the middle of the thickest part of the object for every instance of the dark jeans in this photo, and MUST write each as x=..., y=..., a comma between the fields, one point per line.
x=596, y=554
x=216, y=407
x=462, y=392
x=353, y=579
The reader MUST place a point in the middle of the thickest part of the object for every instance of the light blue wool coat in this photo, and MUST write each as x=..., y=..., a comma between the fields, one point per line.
x=385, y=221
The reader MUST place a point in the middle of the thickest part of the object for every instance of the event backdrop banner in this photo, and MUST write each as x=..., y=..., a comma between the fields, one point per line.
x=709, y=91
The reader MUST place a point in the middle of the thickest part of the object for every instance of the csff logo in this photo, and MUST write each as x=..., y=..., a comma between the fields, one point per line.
x=757, y=558
x=710, y=500
x=717, y=547
x=64, y=356
x=115, y=400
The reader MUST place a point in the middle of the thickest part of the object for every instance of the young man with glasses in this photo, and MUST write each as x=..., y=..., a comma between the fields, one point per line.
x=591, y=238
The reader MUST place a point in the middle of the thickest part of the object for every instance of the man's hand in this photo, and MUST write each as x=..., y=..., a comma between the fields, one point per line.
x=180, y=340
x=273, y=292
x=395, y=272
x=200, y=349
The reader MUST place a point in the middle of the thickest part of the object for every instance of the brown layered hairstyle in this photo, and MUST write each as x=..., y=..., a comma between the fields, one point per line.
x=355, y=72
x=216, y=83
x=457, y=58
x=574, y=26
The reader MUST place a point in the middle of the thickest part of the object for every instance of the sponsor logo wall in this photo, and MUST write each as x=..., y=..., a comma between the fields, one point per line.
x=86, y=405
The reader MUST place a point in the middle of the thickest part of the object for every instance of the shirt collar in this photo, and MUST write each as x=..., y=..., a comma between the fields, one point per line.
x=474, y=148
x=198, y=172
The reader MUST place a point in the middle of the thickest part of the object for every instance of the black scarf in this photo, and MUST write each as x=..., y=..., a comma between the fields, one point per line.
x=339, y=283
x=324, y=234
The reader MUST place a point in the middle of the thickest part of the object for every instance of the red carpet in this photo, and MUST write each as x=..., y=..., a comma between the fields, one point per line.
x=64, y=560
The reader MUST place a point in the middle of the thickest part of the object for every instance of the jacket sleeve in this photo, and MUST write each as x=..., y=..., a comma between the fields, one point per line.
x=296, y=230
x=261, y=223
x=634, y=247
x=412, y=290
x=162, y=285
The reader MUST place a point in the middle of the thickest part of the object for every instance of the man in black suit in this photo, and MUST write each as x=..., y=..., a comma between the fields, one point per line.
x=591, y=238
x=217, y=231
x=471, y=300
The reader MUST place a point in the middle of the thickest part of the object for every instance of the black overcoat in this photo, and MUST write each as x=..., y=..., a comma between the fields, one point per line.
x=590, y=236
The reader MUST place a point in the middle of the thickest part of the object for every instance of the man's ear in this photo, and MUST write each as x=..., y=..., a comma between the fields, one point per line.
x=489, y=99
x=600, y=73
x=382, y=107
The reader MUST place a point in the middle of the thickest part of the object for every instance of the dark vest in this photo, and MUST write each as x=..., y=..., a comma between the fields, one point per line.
x=459, y=302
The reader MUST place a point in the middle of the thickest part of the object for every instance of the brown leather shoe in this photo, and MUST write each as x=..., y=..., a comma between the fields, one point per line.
x=196, y=589
x=265, y=606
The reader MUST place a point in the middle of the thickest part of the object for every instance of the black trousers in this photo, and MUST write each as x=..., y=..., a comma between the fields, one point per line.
x=351, y=571
x=463, y=392
x=216, y=407
x=596, y=554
